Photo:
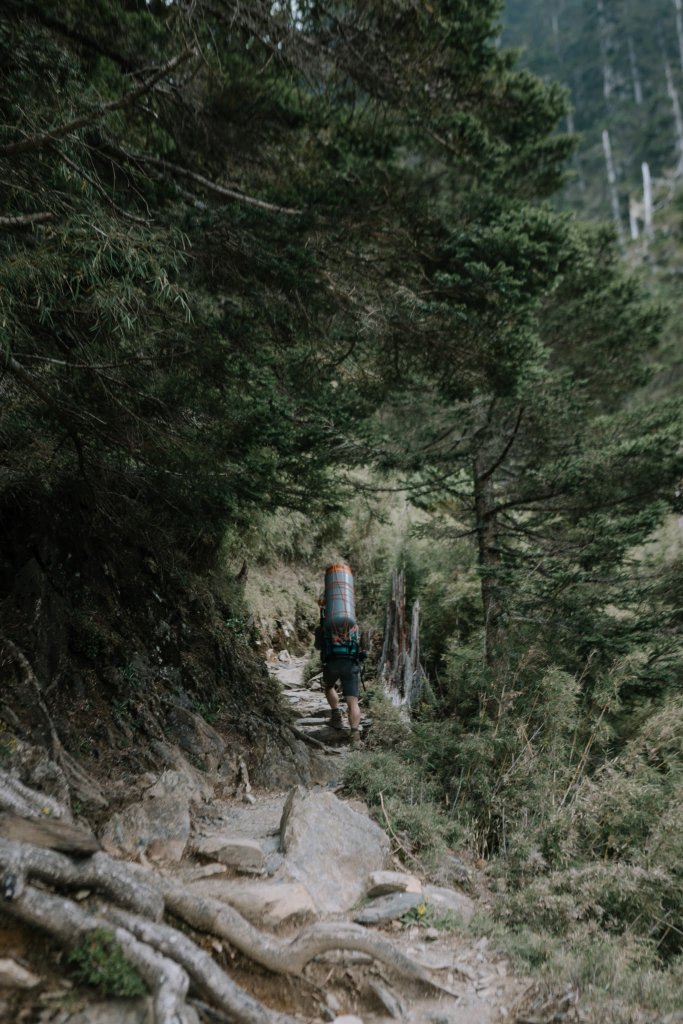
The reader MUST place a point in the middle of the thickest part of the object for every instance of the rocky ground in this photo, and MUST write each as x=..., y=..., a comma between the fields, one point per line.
x=291, y=893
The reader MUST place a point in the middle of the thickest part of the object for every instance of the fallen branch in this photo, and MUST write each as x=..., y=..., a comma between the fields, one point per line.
x=82, y=783
x=25, y=220
x=313, y=742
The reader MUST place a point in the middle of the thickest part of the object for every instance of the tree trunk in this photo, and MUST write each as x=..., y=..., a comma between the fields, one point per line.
x=678, y=4
x=677, y=116
x=612, y=187
x=635, y=74
x=399, y=669
x=647, y=200
x=486, y=527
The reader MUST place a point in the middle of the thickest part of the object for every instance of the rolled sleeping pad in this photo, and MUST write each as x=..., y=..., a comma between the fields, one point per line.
x=340, y=601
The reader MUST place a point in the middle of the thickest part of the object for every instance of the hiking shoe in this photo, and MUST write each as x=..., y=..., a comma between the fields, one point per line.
x=336, y=721
x=355, y=738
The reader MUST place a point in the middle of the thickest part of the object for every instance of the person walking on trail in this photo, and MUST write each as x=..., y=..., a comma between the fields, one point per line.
x=337, y=637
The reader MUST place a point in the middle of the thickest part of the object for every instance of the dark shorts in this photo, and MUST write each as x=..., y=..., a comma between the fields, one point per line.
x=345, y=671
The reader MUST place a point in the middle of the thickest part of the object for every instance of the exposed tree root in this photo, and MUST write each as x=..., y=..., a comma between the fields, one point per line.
x=211, y=981
x=217, y=918
x=167, y=960
x=69, y=922
x=14, y=796
x=83, y=784
x=100, y=872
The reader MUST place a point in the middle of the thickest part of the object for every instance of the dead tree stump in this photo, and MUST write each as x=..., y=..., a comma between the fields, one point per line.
x=400, y=672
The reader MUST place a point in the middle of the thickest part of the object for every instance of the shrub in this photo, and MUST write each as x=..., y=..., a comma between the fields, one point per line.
x=99, y=961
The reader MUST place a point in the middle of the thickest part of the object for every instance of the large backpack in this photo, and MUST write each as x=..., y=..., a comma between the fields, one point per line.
x=340, y=634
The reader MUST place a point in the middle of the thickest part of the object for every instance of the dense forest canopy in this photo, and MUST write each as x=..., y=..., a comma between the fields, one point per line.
x=258, y=257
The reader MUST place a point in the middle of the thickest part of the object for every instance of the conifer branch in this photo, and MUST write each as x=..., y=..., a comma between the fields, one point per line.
x=207, y=183
x=41, y=141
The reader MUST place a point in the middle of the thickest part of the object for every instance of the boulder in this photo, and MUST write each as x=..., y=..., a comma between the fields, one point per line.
x=268, y=903
x=237, y=852
x=388, y=908
x=441, y=898
x=158, y=825
x=382, y=882
x=329, y=848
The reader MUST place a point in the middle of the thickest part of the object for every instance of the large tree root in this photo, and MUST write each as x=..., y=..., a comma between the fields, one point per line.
x=217, y=918
x=15, y=796
x=211, y=981
x=67, y=921
x=100, y=872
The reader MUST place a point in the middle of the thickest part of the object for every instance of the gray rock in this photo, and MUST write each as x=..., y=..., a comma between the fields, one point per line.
x=158, y=825
x=450, y=900
x=237, y=852
x=382, y=882
x=269, y=903
x=329, y=848
x=388, y=908
x=13, y=975
x=195, y=736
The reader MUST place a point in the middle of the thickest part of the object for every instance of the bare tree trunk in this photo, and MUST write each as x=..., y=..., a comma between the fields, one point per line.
x=677, y=116
x=647, y=200
x=489, y=560
x=608, y=80
x=678, y=4
x=399, y=668
x=612, y=186
x=635, y=74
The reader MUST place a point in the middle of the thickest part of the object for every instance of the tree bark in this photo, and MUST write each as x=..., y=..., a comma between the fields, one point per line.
x=399, y=669
x=488, y=556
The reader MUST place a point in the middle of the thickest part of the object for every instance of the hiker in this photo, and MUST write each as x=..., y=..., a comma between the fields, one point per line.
x=337, y=637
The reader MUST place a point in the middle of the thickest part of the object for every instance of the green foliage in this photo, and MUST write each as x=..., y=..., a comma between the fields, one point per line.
x=98, y=960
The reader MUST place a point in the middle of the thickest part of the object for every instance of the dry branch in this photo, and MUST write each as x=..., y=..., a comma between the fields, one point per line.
x=25, y=220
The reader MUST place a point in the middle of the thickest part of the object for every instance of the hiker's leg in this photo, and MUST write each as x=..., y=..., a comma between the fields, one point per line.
x=330, y=678
x=354, y=712
x=332, y=697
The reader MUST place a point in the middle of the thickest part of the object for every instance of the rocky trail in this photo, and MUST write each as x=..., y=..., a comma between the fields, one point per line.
x=234, y=901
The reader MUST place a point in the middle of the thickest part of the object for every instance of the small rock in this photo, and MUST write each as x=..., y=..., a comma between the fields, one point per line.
x=248, y=798
x=235, y=851
x=431, y=934
x=267, y=903
x=13, y=975
x=333, y=1002
x=382, y=882
x=284, y=657
x=448, y=899
x=387, y=908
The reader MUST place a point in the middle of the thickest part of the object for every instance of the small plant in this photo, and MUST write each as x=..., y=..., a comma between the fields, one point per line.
x=99, y=961
x=427, y=916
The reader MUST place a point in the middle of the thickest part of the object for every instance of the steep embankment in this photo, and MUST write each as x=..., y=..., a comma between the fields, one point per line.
x=286, y=909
